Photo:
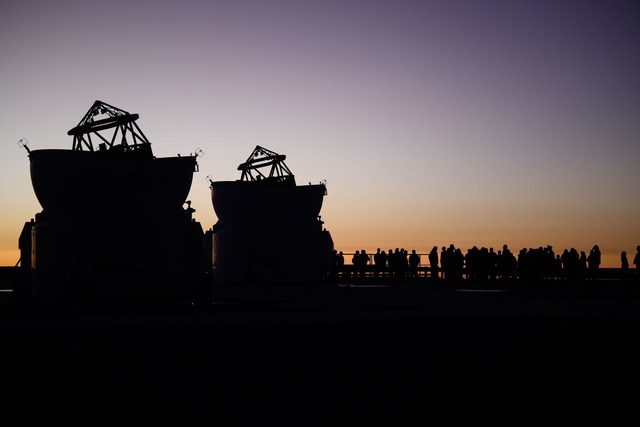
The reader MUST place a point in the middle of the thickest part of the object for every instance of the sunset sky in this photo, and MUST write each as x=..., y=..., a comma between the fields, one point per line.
x=433, y=122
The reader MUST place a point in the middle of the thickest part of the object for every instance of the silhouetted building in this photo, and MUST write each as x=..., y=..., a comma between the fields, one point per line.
x=113, y=221
x=269, y=229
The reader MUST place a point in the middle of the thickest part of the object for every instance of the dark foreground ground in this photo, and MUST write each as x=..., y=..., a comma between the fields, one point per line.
x=328, y=355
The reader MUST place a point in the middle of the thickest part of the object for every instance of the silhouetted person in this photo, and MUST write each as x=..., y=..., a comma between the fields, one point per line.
x=340, y=263
x=624, y=265
x=583, y=265
x=444, y=261
x=458, y=264
x=379, y=261
x=507, y=263
x=355, y=261
x=364, y=260
x=376, y=262
x=557, y=267
x=594, y=260
x=404, y=262
x=433, y=262
x=471, y=261
x=549, y=262
x=484, y=261
x=571, y=264
x=523, y=265
x=493, y=264
x=564, y=264
x=452, y=261
x=414, y=262
x=337, y=264
x=395, y=263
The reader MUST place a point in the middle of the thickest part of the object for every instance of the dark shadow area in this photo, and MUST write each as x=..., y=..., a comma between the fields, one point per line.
x=327, y=356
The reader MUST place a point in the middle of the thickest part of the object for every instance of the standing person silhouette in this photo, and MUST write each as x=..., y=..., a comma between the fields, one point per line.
x=355, y=262
x=583, y=265
x=594, y=260
x=364, y=261
x=379, y=261
x=414, y=263
x=433, y=262
x=444, y=261
x=624, y=265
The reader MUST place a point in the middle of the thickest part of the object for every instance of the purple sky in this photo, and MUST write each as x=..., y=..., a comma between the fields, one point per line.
x=433, y=122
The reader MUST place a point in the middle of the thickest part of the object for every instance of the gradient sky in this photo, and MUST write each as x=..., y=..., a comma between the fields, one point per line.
x=433, y=122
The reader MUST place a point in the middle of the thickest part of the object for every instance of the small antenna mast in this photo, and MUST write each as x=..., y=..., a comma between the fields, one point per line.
x=24, y=144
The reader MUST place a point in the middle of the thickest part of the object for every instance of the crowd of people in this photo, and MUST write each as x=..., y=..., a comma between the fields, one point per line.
x=450, y=263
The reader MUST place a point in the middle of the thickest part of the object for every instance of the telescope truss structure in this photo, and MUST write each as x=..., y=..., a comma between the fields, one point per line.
x=100, y=117
x=266, y=166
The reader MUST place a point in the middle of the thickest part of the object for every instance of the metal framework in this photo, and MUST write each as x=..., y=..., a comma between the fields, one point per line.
x=102, y=116
x=266, y=165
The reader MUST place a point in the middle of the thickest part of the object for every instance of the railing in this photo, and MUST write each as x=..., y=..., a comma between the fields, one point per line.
x=423, y=273
x=349, y=256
